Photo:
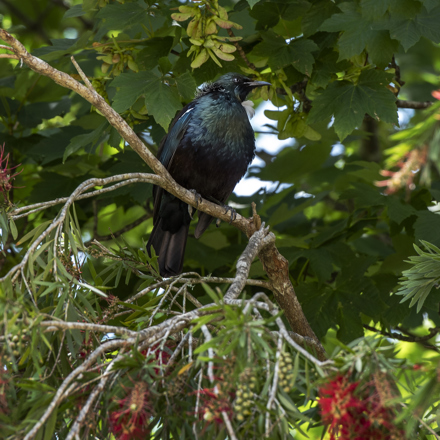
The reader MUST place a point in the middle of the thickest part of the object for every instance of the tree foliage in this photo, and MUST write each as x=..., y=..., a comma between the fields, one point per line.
x=96, y=344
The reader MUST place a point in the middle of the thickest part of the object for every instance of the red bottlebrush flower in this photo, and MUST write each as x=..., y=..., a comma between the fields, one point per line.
x=338, y=402
x=212, y=404
x=408, y=169
x=5, y=173
x=358, y=413
x=4, y=384
x=130, y=422
x=161, y=356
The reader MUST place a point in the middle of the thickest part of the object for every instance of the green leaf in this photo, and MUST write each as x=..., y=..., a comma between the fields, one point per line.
x=13, y=229
x=357, y=30
x=155, y=48
x=130, y=86
x=83, y=140
x=349, y=102
x=381, y=48
x=316, y=15
x=124, y=16
x=296, y=52
x=418, y=281
x=35, y=232
x=74, y=11
x=252, y=3
x=302, y=59
x=409, y=30
x=326, y=66
x=162, y=101
x=430, y=4
x=61, y=47
x=186, y=86
x=49, y=426
x=374, y=9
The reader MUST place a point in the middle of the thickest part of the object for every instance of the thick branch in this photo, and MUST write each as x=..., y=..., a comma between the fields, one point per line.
x=277, y=269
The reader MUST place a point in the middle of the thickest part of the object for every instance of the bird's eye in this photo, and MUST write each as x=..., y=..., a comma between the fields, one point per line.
x=236, y=80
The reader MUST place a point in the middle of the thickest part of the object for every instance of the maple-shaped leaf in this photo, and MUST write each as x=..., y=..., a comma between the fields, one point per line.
x=408, y=30
x=296, y=52
x=161, y=100
x=349, y=102
x=357, y=30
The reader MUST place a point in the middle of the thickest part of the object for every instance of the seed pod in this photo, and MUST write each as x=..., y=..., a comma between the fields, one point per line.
x=194, y=29
x=208, y=43
x=188, y=9
x=106, y=58
x=201, y=58
x=181, y=17
x=211, y=27
x=222, y=13
x=226, y=24
x=225, y=47
x=213, y=57
x=196, y=41
x=133, y=66
x=222, y=55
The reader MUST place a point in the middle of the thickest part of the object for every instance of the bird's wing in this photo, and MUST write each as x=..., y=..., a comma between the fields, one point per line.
x=168, y=148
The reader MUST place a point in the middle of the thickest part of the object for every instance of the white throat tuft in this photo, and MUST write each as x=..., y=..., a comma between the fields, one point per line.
x=249, y=107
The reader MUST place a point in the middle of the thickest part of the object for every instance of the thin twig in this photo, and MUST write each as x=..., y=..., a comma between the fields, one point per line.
x=82, y=75
x=240, y=50
x=274, y=385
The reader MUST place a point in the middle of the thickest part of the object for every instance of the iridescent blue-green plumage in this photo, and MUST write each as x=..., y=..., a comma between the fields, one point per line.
x=208, y=149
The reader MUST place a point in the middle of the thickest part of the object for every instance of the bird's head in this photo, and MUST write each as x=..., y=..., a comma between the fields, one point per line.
x=239, y=85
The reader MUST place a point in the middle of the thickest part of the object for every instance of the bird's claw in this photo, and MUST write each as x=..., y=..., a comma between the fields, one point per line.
x=190, y=211
x=197, y=198
x=217, y=223
x=233, y=213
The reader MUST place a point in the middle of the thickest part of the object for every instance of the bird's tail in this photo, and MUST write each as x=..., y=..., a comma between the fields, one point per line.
x=170, y=247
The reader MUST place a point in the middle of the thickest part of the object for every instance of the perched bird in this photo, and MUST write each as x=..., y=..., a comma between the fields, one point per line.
x=207, y=150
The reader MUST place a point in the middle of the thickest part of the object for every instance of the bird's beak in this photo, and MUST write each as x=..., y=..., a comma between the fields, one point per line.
x=258, y=84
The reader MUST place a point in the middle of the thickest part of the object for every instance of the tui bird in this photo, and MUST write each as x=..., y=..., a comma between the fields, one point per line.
x=207, y=150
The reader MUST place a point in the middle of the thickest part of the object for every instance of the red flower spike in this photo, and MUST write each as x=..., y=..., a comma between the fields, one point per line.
x=212, y=404
x=5, y=173
x=413, y=162
x=358, y=413
x=130, y=422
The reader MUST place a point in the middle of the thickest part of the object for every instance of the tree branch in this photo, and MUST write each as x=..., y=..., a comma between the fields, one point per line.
x=274, y=263
x=410, y=337
x=416, y=105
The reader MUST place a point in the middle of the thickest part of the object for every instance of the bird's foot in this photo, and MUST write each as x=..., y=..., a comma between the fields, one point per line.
x=198, y=199
x=227, y=209
x=233, y=212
